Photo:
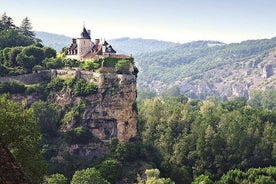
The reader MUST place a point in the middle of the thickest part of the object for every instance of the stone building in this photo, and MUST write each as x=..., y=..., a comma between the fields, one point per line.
x=83, y=48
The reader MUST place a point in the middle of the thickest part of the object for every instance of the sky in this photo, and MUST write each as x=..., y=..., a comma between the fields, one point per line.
x=170, y=20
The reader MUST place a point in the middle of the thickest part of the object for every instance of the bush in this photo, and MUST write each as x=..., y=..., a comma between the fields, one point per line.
x=56, y=84
x=57, y=179
x=77, y=135
x=109, y=62
x=49, y=52
x=13, y=87
x=89, y=175
x=71, y=62
x=111, y=170
x=53, y=63
x=83, y=88
x=122, y=66
x=90, y=65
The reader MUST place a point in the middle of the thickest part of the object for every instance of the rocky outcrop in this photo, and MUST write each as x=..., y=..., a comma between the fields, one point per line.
x=10, y=171
x=111, y=112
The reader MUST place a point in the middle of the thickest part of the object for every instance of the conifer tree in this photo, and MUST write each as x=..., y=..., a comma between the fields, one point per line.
x=26, y=28
x=6, y=22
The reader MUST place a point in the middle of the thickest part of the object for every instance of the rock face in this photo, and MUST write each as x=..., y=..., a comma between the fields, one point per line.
x=10, y=171
x=109, y=113
x=235, y=79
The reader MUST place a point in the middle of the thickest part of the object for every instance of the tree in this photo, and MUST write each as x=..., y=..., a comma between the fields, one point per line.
x=46, y=117
x=153, y=177
x=29, y=57
x=11, y=38
x=26, y=28
x=57, y=179
x=202, y=179
x=19, y=132
x=89, y=175
x=49, y=52
x=6, y=22
x=111, y=170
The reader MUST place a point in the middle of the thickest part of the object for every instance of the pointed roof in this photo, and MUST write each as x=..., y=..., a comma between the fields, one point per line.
x=84, y=34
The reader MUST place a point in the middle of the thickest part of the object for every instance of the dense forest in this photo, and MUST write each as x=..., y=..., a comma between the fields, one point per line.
x=181, y=140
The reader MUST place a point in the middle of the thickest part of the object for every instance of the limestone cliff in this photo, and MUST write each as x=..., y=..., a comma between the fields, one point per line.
x=109, y=113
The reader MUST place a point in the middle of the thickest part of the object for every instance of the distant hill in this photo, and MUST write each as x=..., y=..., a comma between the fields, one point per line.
x=121, y=45
x=138, y=45
x=196, y=69
x=53, y=40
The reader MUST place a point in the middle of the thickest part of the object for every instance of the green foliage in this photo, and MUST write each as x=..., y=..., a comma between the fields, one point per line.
x=12, y=87
x=122, y=66
x=53, y=63
x=26, y=28
x=111, y=170
x=56, y=84
x=75, y=113
x=29, y=57
x=83, y=88
x=208, y=138
x=12, y=56
x=6, y=22
x=90, y=175
x=71, y=62
x=109, y=62
x=90, y=65
x=11, y=38
x=20, y=133
x=78, y=135
x=49, y=52
x=57, y=179
x=47, y=117
x=263, y=99
x=202, y=179
x=153, y=177
x=254, y=175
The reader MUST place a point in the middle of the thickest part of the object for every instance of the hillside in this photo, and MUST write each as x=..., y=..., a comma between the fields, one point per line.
x=198, y=70
x=53, y=40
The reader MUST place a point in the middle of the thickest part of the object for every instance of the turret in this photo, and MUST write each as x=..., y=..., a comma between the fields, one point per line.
x=84, y=43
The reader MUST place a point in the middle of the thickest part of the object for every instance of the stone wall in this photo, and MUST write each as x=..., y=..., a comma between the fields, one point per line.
x=32, y=78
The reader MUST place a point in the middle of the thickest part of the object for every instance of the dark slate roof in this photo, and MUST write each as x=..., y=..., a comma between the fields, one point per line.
x=85, y=34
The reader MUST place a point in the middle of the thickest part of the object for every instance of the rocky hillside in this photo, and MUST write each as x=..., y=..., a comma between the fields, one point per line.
x=200, y=69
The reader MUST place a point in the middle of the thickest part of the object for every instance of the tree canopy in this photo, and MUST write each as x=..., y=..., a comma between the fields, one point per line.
x=20, y=133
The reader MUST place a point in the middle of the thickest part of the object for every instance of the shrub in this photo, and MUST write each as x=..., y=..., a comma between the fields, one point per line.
x=77, y=135
x=109, y=62
x=89, y=175
x=56, y=84
x=83, y=88
x=122, y=66
x=57, y=179
x=12, y=87
x=111, y=170
x=90, y=65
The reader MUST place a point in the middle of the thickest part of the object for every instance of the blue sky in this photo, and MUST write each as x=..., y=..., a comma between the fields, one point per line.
x=170, y=20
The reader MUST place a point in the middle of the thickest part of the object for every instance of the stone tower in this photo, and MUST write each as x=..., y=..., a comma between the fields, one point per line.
x=84, y=43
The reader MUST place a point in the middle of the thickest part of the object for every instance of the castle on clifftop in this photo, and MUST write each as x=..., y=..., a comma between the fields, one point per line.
x=83, y=48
